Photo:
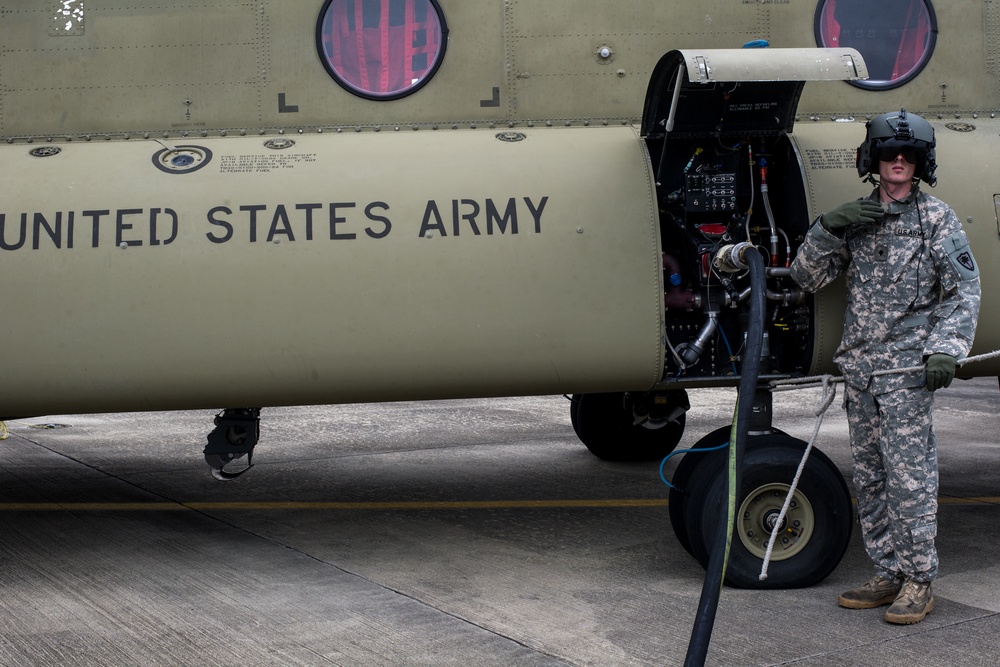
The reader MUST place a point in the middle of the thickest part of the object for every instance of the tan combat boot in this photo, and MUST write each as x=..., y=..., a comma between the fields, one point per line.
x=913, y=603
x=873, y=593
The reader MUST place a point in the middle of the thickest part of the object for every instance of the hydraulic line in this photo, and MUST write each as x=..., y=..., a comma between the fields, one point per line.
x=715, y=573
x=767, y=209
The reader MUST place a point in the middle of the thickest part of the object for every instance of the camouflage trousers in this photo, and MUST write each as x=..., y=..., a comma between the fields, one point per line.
x=896, y=478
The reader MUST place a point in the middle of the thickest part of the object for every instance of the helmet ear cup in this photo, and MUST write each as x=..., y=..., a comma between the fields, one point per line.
x=863, y=159
x=930, y=166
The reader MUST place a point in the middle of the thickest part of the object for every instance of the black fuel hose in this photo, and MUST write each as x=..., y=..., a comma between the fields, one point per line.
x=715, y=573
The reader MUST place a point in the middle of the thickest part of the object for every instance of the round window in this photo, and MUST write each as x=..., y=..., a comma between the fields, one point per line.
x=895, y=37
x=381, y=49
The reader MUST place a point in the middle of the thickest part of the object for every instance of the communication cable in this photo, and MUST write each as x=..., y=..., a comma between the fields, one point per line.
x=702, y=450
x=715, y=573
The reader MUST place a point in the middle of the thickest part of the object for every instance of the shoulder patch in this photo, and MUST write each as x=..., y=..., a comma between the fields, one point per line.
x=960, y=255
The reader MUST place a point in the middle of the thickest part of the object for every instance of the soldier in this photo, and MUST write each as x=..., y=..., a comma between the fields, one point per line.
x=912, y=299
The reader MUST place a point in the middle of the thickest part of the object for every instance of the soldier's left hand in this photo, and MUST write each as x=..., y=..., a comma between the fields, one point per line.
x=940, y=371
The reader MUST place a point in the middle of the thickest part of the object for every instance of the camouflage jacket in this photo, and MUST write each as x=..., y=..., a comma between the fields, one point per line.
x=912, y=289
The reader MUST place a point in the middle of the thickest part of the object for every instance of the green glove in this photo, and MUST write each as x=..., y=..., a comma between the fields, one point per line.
x=940, y=371
x=858, y=211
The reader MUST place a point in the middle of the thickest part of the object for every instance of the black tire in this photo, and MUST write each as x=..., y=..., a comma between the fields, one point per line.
x=818, y=525
x=680, y=483
x=606, y=425
x=574, y=412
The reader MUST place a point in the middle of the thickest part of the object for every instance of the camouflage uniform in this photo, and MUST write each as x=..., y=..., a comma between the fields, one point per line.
x=912, y=290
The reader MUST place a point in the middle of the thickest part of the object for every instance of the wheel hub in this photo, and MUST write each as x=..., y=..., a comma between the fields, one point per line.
x=758, y=517
x=771, y=518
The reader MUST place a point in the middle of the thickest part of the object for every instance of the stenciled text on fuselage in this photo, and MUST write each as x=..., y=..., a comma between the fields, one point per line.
x=272, y=222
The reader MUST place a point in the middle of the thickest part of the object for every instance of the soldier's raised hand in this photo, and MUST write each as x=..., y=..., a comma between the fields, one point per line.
x=863, y=211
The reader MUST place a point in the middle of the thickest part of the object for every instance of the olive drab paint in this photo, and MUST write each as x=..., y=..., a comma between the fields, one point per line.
x=216, y=219
x=319, y=283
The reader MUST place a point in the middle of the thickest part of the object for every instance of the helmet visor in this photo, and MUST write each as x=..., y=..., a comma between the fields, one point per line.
x=889, y=153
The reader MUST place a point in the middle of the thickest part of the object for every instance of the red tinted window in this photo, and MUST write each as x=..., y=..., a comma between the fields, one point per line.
x=381, y=49
x=895, y=37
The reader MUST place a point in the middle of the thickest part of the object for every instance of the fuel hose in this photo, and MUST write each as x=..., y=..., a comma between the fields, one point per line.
x=715, y=573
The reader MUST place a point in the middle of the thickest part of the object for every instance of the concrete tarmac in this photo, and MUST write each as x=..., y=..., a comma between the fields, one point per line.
x=476, y=532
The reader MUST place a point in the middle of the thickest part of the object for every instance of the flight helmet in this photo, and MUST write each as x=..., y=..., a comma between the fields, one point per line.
x=896, y=132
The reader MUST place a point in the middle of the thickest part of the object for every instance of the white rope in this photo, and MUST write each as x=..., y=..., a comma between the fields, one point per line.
x=829, y=393
x=813, y=381
x=827, y=382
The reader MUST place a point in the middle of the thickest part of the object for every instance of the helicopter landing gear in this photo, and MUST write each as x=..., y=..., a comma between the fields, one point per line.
x=642, y=426
x=235, y=435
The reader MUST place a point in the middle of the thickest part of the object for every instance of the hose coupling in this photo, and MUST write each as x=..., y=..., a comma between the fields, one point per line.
x=732, y=258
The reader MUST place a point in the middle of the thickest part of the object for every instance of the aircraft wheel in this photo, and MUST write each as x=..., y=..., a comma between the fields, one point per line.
x=816, y=529
x=681, y=481
x=630, y=427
